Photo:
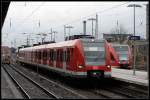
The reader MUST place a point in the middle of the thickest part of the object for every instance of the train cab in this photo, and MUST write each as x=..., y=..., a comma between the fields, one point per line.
x=121, y=55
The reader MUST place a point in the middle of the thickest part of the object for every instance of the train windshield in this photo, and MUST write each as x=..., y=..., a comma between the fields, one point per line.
x=122, y=52
x=94, y=53
x=123, y=57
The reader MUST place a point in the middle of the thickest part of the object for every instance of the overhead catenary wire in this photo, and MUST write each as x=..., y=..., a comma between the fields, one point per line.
x=91, y=15
x=31, y=13
x=79, y=18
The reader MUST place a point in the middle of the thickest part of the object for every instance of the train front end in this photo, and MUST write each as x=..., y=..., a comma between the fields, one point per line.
x=96, y=58
x=124, y=56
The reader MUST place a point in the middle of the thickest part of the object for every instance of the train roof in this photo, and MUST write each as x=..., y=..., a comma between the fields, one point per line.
x=73, y=37
x=114, y=44
x=91, y=40
x=69, y=43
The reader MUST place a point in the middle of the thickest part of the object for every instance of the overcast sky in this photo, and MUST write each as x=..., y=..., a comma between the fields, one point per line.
x=24, y=17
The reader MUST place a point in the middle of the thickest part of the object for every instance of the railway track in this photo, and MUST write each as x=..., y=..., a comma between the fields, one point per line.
x=84, y=94
x=127, y=90
x=50, y=85
x=28, y=87
x=132, y=92
x=118, y=91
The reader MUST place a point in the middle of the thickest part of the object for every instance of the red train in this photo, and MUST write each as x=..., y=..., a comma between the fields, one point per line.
x=79, y=57
x=120, y=56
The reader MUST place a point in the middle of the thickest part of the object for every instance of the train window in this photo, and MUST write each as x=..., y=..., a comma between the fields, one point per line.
x=44, y=55
x=112, y=57
x=26, y=55
x=57, y=58
x=64, y=55
x=94, y=53
x=61, y=56
x=68, y=55
x=54, y=55
x=31, y=54
x=39, y=54
x=123, y=49
x=36, y=56
x=51, y=55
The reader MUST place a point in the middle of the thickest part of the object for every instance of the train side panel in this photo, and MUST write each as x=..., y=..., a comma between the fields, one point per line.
x=68, y=59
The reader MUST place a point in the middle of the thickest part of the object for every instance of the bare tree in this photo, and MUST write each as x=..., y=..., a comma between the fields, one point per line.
x=120, y=31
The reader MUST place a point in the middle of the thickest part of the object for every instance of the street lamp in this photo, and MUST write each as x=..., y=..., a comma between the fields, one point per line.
x=54, y=35
x=64, y=32
x=134, y=5
x=39, y=35
x=28, y=38
x=44, y=36
x=69, y=27
x=51, y=33
x=92, y=19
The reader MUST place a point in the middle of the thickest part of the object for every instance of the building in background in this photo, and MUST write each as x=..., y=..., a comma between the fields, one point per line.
x=118, y=38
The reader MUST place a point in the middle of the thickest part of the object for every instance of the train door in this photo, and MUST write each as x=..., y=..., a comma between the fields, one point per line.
x=50, y=57
x=28, y=58
x=57, y=58
x=64, y=58
x=55, y=53
x=47, y=61
x=61, y=58
x=67, y=58
x=36, y=58
x=70, y=59
x=32, y=56
x=39, y=56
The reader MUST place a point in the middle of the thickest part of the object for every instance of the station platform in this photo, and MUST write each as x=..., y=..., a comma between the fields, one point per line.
x=8, y=88
x=140, y=77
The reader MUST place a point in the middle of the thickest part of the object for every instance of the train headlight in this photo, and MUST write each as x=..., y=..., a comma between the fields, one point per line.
x=92, y=40
x=80, y=66
x=108, y=66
